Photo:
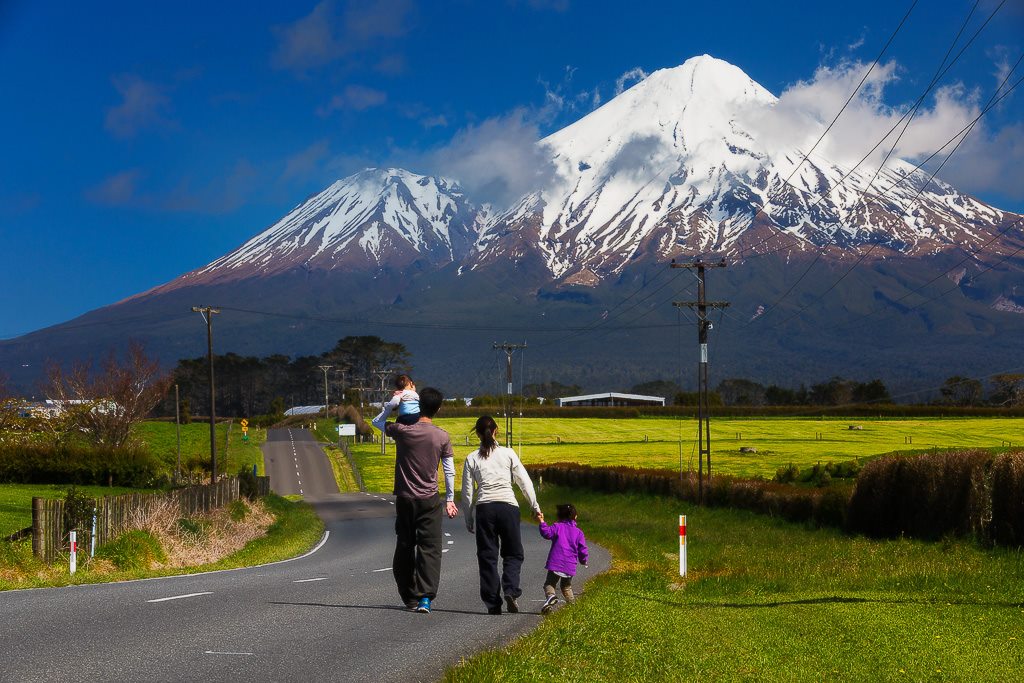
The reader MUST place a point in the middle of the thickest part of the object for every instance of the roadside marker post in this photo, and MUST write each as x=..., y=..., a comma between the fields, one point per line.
x=74, y=551
x=682, y=545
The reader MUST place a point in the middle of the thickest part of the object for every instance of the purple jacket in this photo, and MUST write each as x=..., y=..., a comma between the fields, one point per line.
x=567, y=546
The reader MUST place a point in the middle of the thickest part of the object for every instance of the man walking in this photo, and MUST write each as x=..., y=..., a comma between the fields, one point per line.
x=419, y=448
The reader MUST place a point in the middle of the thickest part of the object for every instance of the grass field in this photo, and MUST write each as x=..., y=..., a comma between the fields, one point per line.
x=16, y=501
x=779, y=442
x=161, y=441
x=770, y=601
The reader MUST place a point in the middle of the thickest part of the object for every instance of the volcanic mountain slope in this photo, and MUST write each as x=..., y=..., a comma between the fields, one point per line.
x=377, y=218
x=676, y=166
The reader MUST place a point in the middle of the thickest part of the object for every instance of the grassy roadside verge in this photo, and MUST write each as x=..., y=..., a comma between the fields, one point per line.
x=295, y=530
x=342, y=472
x=769, y=600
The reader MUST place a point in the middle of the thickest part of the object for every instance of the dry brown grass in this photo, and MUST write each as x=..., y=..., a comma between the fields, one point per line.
x=202, y=539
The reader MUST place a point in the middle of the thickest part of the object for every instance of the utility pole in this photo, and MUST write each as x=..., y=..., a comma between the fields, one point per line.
x=177, y=431
x=208, y=313
x=327, y=404
x=509, y=349
x=382, y=375
x=703, y=327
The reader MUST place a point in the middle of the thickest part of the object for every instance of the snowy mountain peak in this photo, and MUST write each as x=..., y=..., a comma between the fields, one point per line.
x=378, y=217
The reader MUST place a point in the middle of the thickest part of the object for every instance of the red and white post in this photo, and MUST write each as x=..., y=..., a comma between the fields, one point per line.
x=74, y=551
x=682, y=545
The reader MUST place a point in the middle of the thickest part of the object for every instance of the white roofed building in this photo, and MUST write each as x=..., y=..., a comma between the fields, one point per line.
x=611, y=398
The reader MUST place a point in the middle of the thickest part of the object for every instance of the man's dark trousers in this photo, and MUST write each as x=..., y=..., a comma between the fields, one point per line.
x=497, y=532
x=417, y=563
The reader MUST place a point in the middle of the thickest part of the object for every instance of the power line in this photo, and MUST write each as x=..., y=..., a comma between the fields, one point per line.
x=905, y=210
x=908, y=116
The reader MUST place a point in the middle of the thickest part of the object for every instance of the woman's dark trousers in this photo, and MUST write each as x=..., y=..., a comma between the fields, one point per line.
x=497, y=533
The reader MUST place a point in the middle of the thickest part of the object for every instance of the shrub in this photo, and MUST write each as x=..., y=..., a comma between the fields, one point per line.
x=785, y=475
x=133, y=550
x=925, y=496
x=237, y=510
x=1008, y=499
x=247, y=483
x=78, y=509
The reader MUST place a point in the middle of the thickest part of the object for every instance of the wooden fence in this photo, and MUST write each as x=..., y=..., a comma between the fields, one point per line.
x=114, y=514
x=353, y=466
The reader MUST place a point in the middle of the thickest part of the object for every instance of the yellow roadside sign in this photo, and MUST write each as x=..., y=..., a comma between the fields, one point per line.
x=244, y=423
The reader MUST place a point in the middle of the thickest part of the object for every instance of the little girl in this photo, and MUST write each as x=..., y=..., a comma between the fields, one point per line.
x=567, y=546
x=405, y=399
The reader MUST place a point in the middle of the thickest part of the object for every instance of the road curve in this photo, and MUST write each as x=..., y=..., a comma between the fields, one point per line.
x=331, y=615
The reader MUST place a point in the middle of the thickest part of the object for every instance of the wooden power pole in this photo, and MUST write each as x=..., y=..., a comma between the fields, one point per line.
x=509, y=349
x=208, y=313
x=701, y=305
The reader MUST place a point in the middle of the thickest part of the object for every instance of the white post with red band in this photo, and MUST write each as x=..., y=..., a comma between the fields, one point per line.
x=682, y=545
x=74, y=551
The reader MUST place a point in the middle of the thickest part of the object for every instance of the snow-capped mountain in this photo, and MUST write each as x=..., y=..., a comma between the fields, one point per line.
x=673, y=166
x=379, y=216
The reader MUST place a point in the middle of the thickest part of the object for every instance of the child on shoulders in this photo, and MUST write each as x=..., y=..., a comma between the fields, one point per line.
x=405, y=400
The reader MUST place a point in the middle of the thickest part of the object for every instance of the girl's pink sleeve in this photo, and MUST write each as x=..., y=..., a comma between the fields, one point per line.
x=547, y=531
x=582, y=552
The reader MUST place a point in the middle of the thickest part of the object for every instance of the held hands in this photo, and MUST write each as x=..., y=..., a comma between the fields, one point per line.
x=451, y=509
x=538, y=516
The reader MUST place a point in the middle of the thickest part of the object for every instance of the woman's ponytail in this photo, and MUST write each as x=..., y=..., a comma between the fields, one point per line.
x=485, y=428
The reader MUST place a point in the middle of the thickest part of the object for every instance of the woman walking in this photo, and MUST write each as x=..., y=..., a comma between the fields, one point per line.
x=493, y=512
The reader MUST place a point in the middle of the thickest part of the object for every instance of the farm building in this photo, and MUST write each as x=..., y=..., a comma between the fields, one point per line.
x=304, y=410
x=612, y=399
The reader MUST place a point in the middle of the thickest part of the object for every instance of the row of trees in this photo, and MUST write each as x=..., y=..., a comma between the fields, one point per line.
x=247, y=385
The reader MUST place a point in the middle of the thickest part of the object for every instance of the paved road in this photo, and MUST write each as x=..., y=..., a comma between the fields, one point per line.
x=296, y=464
x=331, y=615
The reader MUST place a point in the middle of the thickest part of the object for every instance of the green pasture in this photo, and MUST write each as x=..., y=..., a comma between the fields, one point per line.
x=767, y=600
x=667, y=442
x=161, y=441
x=16, y=501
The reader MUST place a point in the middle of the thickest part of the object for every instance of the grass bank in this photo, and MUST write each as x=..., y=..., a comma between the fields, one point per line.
x=769, y=600
x=295, y=529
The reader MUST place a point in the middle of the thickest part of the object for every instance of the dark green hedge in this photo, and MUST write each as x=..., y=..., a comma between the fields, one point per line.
x=67, y=464
x=965, y=493
x=819, y=506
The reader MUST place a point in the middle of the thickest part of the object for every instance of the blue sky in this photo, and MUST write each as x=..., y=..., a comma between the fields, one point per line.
x=142, y=140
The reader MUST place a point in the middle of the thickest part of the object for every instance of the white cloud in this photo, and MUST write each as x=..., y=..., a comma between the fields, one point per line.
x=305, y=163
x=328, y=33
x=116, y=190
x=143, y=105
x=496, y=161
x=633, y=75
x=354, y=98
x=988, y=161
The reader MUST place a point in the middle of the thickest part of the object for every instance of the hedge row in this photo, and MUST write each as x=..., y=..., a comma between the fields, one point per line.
x=929, y=496
x=819, y=506
x=26, y=463
x=966, y=493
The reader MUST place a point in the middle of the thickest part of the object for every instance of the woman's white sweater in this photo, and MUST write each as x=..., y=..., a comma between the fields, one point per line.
x=492, y=479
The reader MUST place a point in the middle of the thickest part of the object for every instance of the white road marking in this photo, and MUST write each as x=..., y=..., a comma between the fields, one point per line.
x=321, y=578
x=179, y=597
x=447, y=534
x=446, y=550
x=451, y=542
x=392, y=502
x=386, y=569
x=212, y=652
x=300, y=490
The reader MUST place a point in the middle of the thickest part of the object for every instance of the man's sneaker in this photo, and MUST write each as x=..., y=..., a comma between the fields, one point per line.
x=423, y=606
x=494, y=610
x=511, y=605
x=411, y=605
x=549, y=604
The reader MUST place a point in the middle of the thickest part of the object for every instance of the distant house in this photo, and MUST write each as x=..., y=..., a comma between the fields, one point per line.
x=612, y=399
x=304, y=410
